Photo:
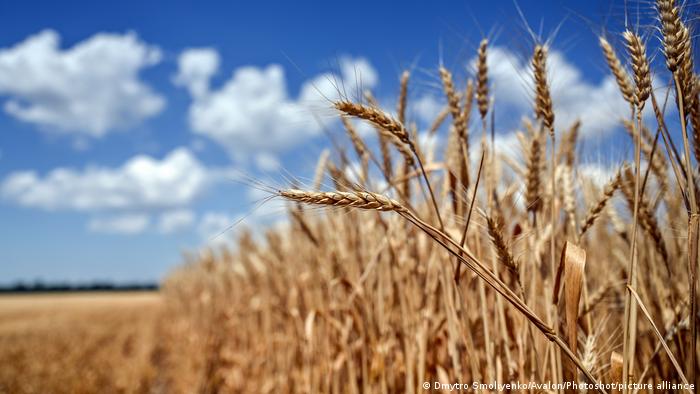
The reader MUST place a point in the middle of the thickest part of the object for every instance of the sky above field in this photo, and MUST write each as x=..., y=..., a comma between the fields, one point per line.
x=128, y=129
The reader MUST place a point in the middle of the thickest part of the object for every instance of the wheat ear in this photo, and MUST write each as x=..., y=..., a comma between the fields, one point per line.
x=354, y=199
x=543, y=98
x=375, y=116
x=640, y=68
x=595, y=211
x=495, y=230
x=535, y=161
x=482, y=79
x=621, y=77
x=403, y=97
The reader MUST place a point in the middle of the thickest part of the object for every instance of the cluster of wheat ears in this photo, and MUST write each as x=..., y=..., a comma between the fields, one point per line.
x=462, y=269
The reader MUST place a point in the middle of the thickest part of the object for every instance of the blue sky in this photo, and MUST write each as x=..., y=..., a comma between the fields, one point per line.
x=123, y=122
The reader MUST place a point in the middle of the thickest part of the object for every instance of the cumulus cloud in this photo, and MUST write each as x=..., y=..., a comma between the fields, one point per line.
x=505, y=144
x=175, y=221
x=196, y=67
x=253, y=112
x=213, y=227
x=598, y=173
x=358, y=72
x=267, y=162
x=427, y=107
x=87, y=90
x=121, y=224
x=141, y=183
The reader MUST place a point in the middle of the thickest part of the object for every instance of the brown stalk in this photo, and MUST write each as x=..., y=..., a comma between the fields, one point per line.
x=678, y=368
x=453, y=160
x=469, y=215
x=464, y=128
x=642, y=81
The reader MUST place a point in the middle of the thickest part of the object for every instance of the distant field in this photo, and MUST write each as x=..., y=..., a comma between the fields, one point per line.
x=78, y=342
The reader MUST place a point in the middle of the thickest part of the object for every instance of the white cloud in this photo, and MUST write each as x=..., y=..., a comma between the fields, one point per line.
x=427, y=107
x=253, y=111
x=89, y=90
x=598, y=173
x=213, y=227
x=141, y=183
x=505, y=144
x=196, y=67
x=121, y=224
x=175, y=221
x=359, y=72
x=267, y=162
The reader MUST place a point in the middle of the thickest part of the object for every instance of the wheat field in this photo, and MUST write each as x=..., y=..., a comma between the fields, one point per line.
x=402, y=265
x=79, y=343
